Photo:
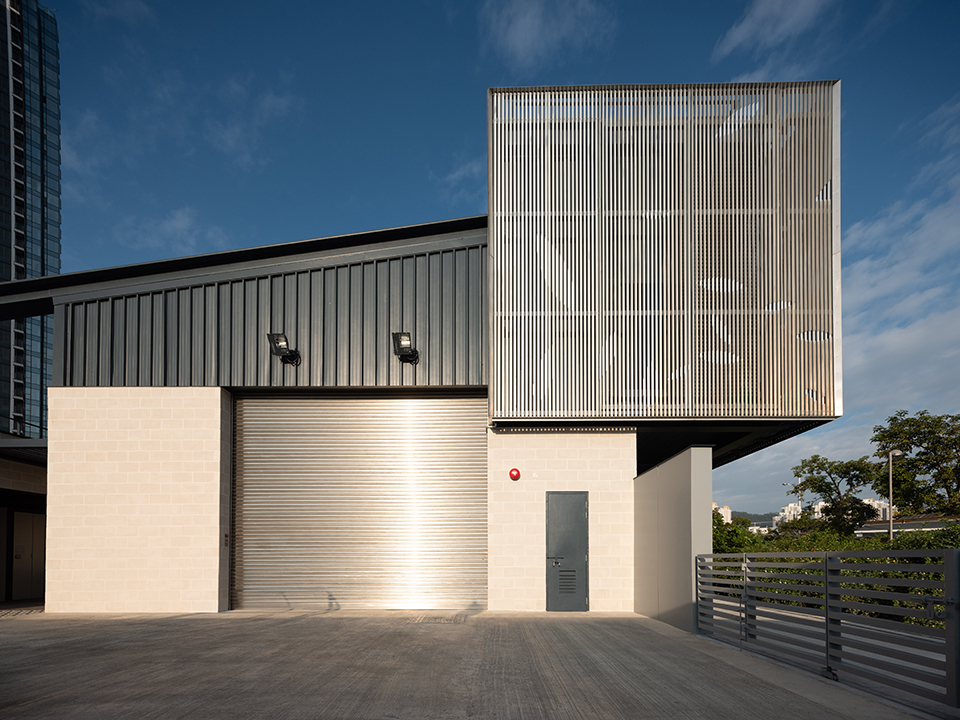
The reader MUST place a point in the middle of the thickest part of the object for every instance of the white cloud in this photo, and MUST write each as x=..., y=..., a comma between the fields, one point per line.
x=86, y=148
x=901, y=309
x=913, y=365
x=768, y=23
x=161, y=111
x=798, y=39
x=903, y=266
x=776, y=69
x=235, y=128
x=755, y=483
x=529, y=34
x=470, y=171
x=86, y=127
x=466, y=186
x=944, y=123
x=178, y=233
x=128, y=11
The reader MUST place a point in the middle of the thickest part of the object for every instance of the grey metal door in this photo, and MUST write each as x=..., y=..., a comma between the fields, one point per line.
x=567, y=551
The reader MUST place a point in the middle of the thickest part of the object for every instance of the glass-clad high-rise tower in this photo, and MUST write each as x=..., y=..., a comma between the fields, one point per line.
x=29, y=202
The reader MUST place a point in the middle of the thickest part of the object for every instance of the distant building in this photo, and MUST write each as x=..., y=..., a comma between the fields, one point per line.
x=794, y=510
x=882, y=507
x=788, y=513
x=724, y=512
x=29, y=204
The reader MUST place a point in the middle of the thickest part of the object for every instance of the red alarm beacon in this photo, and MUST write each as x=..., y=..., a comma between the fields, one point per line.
x=514, y=474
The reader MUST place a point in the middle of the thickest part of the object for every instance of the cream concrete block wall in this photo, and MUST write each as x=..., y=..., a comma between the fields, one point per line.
x=674, y=524
x=602, y=463
x=137, y=502
x=20, y=476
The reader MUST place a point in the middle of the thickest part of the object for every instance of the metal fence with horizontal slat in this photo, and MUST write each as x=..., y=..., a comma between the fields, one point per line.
x=889, y=617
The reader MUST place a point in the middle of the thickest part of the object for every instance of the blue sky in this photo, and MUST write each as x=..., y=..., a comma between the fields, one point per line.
x=195, y=127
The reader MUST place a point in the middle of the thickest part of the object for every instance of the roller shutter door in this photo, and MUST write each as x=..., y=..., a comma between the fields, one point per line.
x=358, y=501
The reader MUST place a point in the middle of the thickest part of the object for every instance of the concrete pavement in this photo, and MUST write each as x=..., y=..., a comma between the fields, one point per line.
x=398, y=664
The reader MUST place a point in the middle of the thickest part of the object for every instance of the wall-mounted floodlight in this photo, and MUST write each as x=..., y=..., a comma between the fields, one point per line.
x=280, y=346
x=403, y=348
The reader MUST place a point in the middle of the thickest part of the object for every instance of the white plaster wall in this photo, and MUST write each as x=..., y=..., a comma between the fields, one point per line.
x=20, y=476
x=600, y=463
x=137, y=499
x=673, y=525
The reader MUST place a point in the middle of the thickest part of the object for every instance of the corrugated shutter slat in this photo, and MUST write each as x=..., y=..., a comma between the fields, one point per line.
x=358, y=501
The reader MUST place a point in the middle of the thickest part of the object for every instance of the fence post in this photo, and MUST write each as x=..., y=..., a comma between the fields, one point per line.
x=951, y=597
x=699, y=561
x=749, y=605
x=832, y=590
x=743, y=598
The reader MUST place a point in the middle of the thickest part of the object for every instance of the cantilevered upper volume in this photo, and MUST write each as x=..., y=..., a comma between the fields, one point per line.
x=665, y=251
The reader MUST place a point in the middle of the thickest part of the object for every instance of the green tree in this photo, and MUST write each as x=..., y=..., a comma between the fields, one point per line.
x=946, y=537
x=733, y=537
x=927, y=478
x=799, y=527
x=837, y=483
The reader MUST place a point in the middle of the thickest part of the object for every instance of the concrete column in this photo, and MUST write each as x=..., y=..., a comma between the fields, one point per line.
x=672, y=525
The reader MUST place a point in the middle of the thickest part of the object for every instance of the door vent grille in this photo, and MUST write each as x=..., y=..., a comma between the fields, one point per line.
x=568, y=581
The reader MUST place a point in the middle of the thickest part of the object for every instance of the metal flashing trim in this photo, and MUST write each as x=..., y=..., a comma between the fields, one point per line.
x=502, y=428
x=837, y=233
x=26, y=296
x=285, y=266
x=655, y=86
x=666, y=422
x=424, y=391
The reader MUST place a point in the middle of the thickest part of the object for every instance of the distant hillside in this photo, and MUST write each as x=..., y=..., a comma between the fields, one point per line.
x=754, y=517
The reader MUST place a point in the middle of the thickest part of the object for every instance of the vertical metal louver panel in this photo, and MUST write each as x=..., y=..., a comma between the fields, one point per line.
x=353, y=501
x=665, y=251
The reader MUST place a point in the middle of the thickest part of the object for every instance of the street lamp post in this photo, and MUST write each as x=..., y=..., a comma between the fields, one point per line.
x=893, y=454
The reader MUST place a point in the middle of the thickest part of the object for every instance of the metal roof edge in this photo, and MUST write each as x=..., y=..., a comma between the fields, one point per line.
x=659, y=86
x=36, y=296
x=230, y=257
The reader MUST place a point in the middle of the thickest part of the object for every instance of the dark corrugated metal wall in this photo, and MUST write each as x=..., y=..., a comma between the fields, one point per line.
x=340, y=318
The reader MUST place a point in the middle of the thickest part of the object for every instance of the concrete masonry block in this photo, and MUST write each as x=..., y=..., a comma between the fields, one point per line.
x=567, y=476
